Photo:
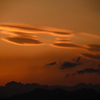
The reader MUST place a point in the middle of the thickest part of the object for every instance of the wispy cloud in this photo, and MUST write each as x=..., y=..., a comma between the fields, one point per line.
x=87, y=70
x=66, y=45
x=90, y=56
x=67, y=75
x=34, y=29
x=78, y=59
x=50, y=64
x=93, y=47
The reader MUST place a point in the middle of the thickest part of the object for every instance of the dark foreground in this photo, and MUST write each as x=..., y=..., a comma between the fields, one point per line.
x=57, y=94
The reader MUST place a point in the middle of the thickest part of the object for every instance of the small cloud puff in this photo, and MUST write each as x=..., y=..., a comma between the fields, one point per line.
x=53, y=63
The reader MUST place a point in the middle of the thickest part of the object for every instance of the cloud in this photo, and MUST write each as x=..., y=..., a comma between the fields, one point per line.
x=53, y=63
x=34, y=29
x=93, y=48
x=41, y=29
x=67, y=64
x=21, y=27
x=87, y=70
x=78, y=59
x=95, y=57
x=67, y=75
x=22, y=40
x=66, y=45
x=20, y=34
x=62, y=33
x=62, y=40
x=88, y=34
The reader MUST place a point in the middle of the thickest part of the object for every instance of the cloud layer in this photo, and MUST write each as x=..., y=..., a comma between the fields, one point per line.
x=34, y=29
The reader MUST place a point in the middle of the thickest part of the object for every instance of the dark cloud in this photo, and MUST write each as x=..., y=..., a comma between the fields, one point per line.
x=78, y=59
x=66, y=45
x=67, y=75
x=94, y=48
x=96, y=57
x=53, y=63
x=67, y=64
x=73, y=74
x=22, y=40
x=87, y=70
x=21, y=34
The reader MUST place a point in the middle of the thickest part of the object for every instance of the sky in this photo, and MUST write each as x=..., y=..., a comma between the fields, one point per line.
x=50, y=42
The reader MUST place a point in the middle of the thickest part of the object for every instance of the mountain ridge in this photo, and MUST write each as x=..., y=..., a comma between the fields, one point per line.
x=14, y=88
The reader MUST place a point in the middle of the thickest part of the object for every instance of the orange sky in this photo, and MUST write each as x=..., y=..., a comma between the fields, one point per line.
x=30, y=43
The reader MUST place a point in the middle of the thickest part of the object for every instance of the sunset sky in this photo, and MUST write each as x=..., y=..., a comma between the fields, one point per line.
x=52, y=42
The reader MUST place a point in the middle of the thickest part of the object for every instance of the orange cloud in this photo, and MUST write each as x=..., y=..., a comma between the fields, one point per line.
x=18, y=34
x=93, y=47
x=35, y=29
x=21, y=38
x=63, y=39
x=87, y=34
x=66, y=45
x=22, y=41
x=91, y=56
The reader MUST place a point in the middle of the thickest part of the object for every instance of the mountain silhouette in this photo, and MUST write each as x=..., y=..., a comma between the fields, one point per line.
x=57, y=94
x=14, y=88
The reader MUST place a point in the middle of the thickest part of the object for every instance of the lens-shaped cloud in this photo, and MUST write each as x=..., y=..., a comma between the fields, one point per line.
x=34, y=29
x=62, y=39
x=28, y=31
x=22, y=40
x=65, y=45
x=21, y=27
x=20, y=34
x=95, y=48
x=62, y=33
x=90, y=56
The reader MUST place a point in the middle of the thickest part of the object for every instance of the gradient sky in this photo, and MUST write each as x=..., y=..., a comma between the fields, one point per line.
x=51, y=42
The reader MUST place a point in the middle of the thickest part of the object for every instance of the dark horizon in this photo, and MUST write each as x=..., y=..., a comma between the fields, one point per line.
x=13, y=88
x=46, y=84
